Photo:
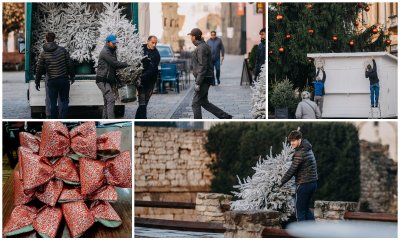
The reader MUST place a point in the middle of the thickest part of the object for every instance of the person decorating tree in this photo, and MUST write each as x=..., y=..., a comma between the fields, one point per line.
x=319, y=89
x=372, y=74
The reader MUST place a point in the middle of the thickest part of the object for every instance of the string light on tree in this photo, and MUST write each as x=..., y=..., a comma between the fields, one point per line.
x=311, y=31
x=270, y=52
x=288, y=36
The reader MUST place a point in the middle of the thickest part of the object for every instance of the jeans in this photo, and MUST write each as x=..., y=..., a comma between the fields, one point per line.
x=304, y=193
x=319, y=100
x=109, y=100
x=200, y=99
x=217, y=65
x=59, y=88
x=374, y=89
x=144, y=94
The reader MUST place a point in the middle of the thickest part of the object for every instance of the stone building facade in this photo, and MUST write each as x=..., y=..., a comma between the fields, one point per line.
x=378, y=179
x=170, y=166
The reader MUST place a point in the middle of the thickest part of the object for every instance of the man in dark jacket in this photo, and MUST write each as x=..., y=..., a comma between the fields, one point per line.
x=260, y=57
x=304, y=169
x=54, y=61
x=217, y=52
x=106, y=77
x=372, y=74
x=319, y=89
x=148, y=79
x=203, y=73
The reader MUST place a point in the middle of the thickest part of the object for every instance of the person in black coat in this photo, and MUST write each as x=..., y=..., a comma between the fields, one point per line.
x=145, y=85
x=304, y=169
x=260, y=57
x=372, y=74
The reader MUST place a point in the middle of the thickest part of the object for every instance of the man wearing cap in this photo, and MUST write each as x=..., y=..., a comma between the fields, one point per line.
x=106, y=77
x=54, y=61
x=204, y=77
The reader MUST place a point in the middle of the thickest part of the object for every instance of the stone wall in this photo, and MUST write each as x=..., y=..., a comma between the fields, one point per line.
x=209, y=206
x=330, y=210
x=170, y=165
x=378, y=179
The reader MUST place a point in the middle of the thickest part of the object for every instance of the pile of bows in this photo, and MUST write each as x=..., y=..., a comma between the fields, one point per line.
x=64, y=169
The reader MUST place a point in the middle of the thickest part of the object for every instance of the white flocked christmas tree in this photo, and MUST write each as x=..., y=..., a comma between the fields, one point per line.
x=259, y=95
x=262, y=191
x=48, y=18
x=81, y=28
x=112, y=21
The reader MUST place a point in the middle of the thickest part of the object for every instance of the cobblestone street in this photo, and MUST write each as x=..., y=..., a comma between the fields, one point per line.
x=229, y=96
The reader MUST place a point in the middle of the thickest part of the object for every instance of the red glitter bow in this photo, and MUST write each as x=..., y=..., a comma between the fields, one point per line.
x=95, y=173
x=83, y=140
x=21, y=197
x=37, y=171
x=20, y=220
x=47, y=221
x=55, y=141
x=70, y=195
x=78, y=217
x=104, y=213
x=29, y=141
x=109, y=144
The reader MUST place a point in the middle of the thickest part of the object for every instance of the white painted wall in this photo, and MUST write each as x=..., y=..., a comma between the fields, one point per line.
x=347, y=93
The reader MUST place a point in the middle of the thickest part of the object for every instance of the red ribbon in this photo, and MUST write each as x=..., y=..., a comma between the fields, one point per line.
x=29, y=141
x=78, y=217
x=55, y=141
x=95, y=173
x=83, y=140
x=48, y=221
x=109, y=144
x=21, y=217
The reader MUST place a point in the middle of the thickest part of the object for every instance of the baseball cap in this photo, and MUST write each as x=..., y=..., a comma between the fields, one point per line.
x=195, y=32
x=112, y=38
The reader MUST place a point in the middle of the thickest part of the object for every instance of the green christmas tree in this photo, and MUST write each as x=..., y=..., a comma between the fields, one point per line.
x=296, y=29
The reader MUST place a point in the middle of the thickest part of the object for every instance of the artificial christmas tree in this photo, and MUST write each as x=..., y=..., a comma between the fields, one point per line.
x=81, y=27
x=262, y=191
x=112, y=21
x=258, y=96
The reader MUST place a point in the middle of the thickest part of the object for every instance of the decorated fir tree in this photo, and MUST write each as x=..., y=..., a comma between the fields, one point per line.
x=295, y=29
x=262, y=191
x=81, y=28
x=112, y=21
x=258, y=96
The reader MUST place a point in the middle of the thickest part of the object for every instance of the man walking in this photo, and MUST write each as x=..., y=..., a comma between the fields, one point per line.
x=106, y=77
x=149, y=75
x=217, y=52
x=203, y=73
x=372, y=74
x=319, y=89
x=304, y=169
x=54, y=61
x=260, y=57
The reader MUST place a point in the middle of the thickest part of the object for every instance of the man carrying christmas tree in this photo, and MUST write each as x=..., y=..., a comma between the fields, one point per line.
x=54, y=61
x=260, y=57
x=304, y=169
x=148, y=79
x=372, y=74
x=106, y=77
x=204, y=77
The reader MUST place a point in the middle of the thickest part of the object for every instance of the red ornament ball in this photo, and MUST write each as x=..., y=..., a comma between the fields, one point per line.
x=356, y=23
x=388, y=42
x=375, y=30
x=281, y=50
x=366, y=8
x=360, y=4
x=270, y=52
x=351, y=43
x=288, y=36
x=279, y=17
x=311, y=31
x=335, y=38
